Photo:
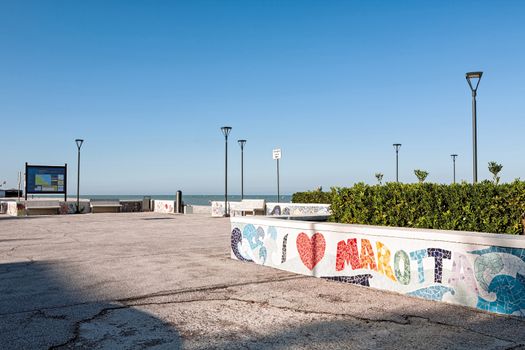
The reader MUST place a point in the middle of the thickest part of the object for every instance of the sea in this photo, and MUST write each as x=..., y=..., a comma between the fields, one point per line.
x=201, y=199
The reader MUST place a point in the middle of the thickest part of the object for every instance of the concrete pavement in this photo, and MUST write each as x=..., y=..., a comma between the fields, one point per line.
x=147, y=280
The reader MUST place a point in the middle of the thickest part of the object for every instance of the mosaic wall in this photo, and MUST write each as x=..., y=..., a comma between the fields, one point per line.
x=71, y=208
x=295, y=209
x=3, y=207
x=217, y=208
x=15, y=209
x=164, y=206
x=130, y=206
x=11, y=208
x=490, y=278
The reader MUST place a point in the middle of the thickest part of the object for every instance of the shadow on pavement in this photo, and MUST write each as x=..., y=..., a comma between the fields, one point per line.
x=43, y=307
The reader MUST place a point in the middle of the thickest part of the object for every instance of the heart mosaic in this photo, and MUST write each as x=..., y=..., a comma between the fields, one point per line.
x=311, y=250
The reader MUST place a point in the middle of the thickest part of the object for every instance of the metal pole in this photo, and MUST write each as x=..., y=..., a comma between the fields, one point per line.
x=454, y=161
x=226, y=175
x=19, y=181
x=242, y=172
x=397, y=165
x=226, y=131
x=474, y=139
x=477, y=78
x=396, y=146
x=454, y=165
x=278, y=193
x=25, y=183
x=78, y=181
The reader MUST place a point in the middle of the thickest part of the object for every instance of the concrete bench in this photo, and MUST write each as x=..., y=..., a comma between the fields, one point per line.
x=105, y=205
x=253, y=206
x=42, y=207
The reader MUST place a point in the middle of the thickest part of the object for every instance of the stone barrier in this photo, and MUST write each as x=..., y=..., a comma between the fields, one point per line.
x=480, y=270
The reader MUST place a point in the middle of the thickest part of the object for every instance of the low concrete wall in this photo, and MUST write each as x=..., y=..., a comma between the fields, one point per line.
x=197, y=209
x=275, y=209
x=480, y=270
x=130, y=206
x=18, y=209
x=15, y=209
x=71, y=207
x=297, y=209
x=160, y=206
x=3, y=207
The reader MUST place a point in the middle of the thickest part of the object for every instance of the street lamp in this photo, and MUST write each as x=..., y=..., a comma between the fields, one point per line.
x=474, y=77
x=397, y=146
x=79, y=143
x=454, y=165
x=242, y=143
x=226, y=131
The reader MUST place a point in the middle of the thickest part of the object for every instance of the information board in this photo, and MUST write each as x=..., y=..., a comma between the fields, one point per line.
x=46, y=179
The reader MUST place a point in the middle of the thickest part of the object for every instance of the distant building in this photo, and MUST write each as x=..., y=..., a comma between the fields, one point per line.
x=10, y=193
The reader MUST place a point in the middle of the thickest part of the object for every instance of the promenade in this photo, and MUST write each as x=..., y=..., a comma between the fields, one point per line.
x=161, y=281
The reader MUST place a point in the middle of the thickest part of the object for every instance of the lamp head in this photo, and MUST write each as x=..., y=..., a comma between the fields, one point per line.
x=453, y=155
x=226, y=130
x=79, y=142
x=241, y=143
x=396, y=146
x=473, y=77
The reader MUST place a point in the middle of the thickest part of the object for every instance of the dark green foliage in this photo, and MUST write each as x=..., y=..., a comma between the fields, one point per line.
x=315, y=196
x=379, y=177
x=495, y=168
x=421, y=175
x=483, y=207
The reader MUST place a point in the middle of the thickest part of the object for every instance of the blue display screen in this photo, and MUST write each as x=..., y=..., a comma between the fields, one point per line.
x=46, y=179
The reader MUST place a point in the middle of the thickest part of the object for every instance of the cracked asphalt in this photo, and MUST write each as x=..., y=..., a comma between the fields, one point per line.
x=154, y=281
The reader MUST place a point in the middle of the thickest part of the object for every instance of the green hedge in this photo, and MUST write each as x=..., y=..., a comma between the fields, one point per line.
x=483, y=207
x=315, y=196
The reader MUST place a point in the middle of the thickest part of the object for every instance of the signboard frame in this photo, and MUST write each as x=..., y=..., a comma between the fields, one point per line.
x=276, y=153
x=30, y=191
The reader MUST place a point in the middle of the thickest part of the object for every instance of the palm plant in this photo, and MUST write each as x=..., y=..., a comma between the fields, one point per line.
x=495, y=168
x=421, y=175
x=379, y=178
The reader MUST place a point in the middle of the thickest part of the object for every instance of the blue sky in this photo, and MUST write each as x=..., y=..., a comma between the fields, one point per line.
x=148, y=84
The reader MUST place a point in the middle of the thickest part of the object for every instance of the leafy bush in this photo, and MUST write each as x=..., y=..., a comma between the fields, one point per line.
x=483, y=207
x=315, y=196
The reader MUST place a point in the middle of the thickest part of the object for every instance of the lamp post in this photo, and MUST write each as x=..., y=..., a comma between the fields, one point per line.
x=226, y=131
x=454, y=165
x=242, y=143
x=397, y=146
x=474, y=77
x=79, y=143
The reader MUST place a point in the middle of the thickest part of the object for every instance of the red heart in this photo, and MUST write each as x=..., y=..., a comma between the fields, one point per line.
x=311, y=250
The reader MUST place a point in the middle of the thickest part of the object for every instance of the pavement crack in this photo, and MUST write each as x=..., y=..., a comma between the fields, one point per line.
x=407, y=319
x=267, y=304
x=204, y=289
x=76, y=326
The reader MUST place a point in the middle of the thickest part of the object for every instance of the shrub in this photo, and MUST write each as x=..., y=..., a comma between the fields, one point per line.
x=315, y=196
x=483, y=207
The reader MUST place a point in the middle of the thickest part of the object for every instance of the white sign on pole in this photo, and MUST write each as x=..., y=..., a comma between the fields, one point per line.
x=276, y=153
